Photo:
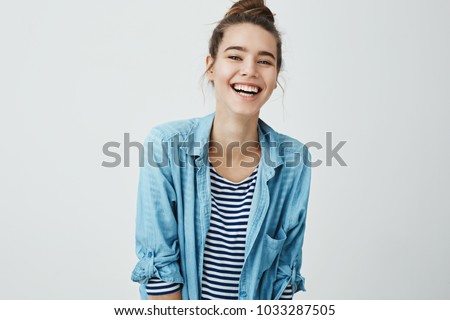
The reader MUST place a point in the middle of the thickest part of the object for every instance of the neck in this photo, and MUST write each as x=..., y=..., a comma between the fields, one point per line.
x=236, y=135
x=231, y=128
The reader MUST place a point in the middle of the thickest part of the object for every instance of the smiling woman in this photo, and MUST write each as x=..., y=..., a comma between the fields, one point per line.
x=228, y=225
x=245, y=63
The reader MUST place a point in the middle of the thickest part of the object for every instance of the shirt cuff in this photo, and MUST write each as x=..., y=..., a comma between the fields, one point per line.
x=157, y=287
x=288, y=294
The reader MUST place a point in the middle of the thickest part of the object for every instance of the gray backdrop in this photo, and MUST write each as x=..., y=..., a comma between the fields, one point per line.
x=77, y=74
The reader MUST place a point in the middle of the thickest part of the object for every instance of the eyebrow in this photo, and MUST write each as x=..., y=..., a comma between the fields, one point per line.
x=261, y=53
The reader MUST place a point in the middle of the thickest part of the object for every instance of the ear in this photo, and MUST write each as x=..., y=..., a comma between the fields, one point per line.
x=209, y=62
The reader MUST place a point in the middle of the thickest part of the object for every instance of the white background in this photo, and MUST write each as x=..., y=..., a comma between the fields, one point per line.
x=77, y=74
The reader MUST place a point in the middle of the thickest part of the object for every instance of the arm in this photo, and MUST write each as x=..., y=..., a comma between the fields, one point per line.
x=156, y=226
x=291, y=254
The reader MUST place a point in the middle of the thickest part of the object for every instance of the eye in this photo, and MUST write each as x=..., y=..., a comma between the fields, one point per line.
x=236, y=58
x=265, y=62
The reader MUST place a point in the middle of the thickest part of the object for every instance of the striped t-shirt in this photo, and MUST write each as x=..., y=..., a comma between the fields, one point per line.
x=225, y=241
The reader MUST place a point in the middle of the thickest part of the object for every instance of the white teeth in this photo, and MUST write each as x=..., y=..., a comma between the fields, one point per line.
x=246, y=88
x=245, y=94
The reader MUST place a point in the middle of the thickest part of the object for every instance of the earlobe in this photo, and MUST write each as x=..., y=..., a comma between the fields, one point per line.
x=210, y=72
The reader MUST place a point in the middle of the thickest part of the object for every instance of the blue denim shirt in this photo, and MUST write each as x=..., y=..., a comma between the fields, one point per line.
x=174, y=205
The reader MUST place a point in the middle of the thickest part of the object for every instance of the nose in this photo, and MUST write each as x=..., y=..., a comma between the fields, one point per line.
x=248, y=68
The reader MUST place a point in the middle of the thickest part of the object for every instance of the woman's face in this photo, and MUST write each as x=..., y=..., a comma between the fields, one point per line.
x=245, y=63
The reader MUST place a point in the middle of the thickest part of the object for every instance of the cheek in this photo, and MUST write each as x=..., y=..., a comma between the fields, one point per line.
x=271, y=81
x=224, y=73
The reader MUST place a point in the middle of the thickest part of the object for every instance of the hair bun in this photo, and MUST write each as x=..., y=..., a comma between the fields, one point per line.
x=252, y=7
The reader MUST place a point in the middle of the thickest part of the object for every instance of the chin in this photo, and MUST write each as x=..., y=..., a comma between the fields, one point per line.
x=246, y=111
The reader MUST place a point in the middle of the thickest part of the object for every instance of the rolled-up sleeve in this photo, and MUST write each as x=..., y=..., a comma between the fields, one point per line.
x=291, y=254
x=156, y=224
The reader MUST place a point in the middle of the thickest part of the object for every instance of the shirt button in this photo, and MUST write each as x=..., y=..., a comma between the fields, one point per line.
x=149, y=254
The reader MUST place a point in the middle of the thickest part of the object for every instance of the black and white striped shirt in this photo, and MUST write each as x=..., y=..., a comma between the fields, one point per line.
x=225, y=241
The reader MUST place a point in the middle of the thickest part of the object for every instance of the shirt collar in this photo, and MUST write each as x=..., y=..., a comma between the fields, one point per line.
x=269, y=141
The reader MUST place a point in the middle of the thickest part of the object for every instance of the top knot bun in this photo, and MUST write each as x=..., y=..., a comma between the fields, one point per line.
x=252, y=7
x=245, y=11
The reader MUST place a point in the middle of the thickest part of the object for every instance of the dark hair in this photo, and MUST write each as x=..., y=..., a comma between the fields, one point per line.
x=246, y=11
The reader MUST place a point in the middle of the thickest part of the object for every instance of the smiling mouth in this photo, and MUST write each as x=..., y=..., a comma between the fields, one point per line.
x=246, y=91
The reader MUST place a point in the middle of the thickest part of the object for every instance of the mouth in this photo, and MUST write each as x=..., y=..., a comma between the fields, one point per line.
x=246, y=90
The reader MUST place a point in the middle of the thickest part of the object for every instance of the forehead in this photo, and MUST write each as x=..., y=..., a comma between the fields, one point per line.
x=252, y=37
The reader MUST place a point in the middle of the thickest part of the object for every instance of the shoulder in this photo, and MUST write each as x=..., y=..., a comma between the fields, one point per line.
x=169, y=130
x=291, y=145
x=296, y=157
x=286, y=145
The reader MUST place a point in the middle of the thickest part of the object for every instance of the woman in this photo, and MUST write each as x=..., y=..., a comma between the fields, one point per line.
x=223, y=198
